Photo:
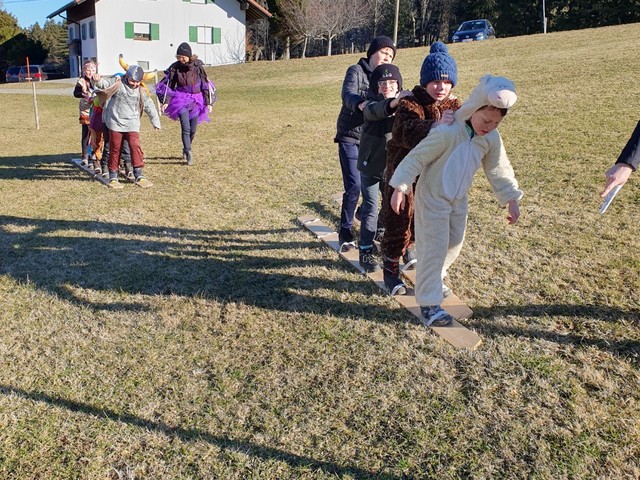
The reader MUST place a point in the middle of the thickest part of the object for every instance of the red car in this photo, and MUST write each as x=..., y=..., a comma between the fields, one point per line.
x=35, y=74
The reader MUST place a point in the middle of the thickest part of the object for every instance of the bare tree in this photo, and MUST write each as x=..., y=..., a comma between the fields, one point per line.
x=331, y=18
x=299, y=22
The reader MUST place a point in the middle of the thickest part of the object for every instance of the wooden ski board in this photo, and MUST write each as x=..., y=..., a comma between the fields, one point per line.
x=456, y=334
x=451, y=303
x=85, y=168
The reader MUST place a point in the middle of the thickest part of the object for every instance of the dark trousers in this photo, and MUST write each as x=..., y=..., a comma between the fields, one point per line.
x=125, y=154
x=86, y=140
x=348, y=153
x=189, y=126
x=115, y=146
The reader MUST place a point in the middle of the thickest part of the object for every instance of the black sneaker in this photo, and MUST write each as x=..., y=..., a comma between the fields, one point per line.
x=435, y=316
x=368, y=261
x=379, y=234
x=345, y=240
x=410, y=257
x=391, y=275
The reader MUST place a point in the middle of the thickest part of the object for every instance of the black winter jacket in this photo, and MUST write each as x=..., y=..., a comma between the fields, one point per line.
x=354, y=91
x=631, y=152
x=376, y=132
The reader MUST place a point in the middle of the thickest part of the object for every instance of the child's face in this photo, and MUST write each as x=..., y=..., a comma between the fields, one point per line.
x=388, y=88
x=89, y=70
x=183, y=59
x=132, y=83
x=384, y=55
x=439, y=89
x=485, y=120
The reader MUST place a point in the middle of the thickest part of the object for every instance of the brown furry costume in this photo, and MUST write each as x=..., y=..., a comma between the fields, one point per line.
x=413, y=120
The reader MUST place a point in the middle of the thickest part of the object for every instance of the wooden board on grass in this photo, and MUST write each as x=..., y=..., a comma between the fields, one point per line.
x=456, y=334
x=451, y=303
x=87, y=169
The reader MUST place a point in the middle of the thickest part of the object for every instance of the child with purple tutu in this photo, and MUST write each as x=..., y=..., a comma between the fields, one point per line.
x=186, y=95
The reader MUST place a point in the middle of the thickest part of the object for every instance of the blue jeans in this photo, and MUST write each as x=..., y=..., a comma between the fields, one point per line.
x=188, y=126
x=370, y=188
x=348, y=153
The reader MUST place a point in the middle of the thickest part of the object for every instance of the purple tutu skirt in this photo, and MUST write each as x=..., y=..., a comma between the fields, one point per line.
x=180, y=100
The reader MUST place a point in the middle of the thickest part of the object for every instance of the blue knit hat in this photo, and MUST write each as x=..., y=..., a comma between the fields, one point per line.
x=438, y=65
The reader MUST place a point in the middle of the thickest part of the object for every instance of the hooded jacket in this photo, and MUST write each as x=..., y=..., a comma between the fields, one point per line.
x=354, y=91
x=630, y=154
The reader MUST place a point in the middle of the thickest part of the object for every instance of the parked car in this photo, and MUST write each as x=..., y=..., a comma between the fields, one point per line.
x=35, y=73
x=473, y=30
x=12, y=74
x=54, y=72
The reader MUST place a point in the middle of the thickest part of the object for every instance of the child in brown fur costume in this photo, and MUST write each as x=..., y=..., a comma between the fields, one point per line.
x=430, y=104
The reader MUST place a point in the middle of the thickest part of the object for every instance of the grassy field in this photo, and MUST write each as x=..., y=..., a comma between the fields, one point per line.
x=195, y=330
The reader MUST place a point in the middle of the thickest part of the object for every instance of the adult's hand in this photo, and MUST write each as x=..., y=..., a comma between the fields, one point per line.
x=397, y=201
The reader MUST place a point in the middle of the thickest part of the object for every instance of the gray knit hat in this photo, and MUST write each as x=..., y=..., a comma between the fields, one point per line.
x=438, y=65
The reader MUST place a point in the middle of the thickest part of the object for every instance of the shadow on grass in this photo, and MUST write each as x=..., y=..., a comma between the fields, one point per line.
x=625, y=348
x=252, y=266
x=38, y=167
x=190, y=435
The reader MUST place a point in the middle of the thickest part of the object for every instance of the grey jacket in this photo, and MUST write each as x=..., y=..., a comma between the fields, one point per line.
x=124, y=108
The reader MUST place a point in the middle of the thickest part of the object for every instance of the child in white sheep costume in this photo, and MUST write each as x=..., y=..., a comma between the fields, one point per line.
x=446, y=161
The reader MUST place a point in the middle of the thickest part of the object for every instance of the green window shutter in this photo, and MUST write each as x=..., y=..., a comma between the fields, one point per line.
x=193, y=34
x=217, y=35
x=155, y=31
x=188, y=1
x=128, y=29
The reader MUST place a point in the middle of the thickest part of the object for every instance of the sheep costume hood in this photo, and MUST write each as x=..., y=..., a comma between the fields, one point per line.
x=499, y=92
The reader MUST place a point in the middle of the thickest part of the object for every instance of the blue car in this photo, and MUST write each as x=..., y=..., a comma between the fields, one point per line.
x=472, y=30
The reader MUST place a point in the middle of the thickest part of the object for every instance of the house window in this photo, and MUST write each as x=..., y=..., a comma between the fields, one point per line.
x=142, y=31
x=84, y=31
x=210, y=35
x=144, y=64
x=72, y=34
x=200, y=1
x=92, y=29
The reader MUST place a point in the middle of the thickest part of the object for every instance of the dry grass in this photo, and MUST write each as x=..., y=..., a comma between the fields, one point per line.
x=193, y=330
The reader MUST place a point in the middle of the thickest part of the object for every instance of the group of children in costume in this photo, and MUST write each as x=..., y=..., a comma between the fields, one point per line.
x=111, y=108
x=426, y=134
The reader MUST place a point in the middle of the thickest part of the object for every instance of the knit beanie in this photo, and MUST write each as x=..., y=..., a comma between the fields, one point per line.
x=135, y=73
x=184, y=49
x=386, y=71
x=379, y=43
x=499, y=92
x=438, y=65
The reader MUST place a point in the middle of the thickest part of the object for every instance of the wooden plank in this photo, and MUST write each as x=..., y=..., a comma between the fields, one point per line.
x=456, y=334
x=451, y=303
x=85, y=168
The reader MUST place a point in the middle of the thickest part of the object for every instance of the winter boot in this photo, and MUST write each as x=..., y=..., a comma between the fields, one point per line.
x=410, y=257
x=367, y=261
x=391, y=275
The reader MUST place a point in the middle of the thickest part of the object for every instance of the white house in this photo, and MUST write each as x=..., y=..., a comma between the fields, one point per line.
x=148, y=32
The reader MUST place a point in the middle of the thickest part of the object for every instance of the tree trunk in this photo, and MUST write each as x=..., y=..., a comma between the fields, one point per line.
x=304, y=47
x=329, y=39
x=287, y=49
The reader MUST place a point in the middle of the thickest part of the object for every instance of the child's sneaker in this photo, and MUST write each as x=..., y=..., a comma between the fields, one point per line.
x=435, y=316
x=345, y=240
x=188, y=158
x=368, y=261
x=143, y=182
x=391, y=276
x=446, y=291
x=96, y=168
x=115, y=183
x=410, y=257
x=85, y=161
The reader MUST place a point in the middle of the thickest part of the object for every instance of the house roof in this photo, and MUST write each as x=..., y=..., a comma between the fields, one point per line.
x=66, y=7
x=255, y=11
